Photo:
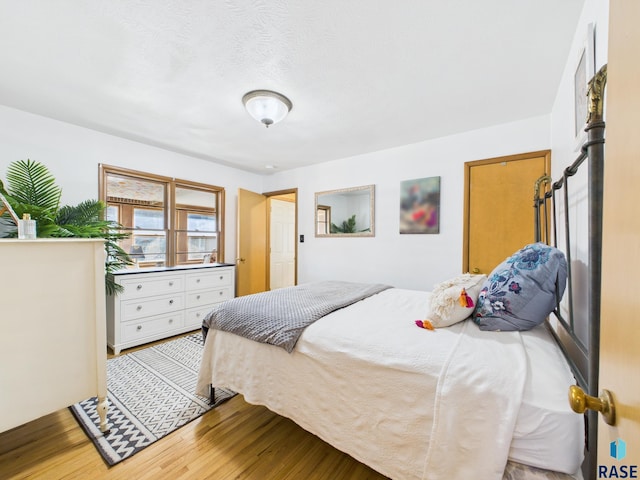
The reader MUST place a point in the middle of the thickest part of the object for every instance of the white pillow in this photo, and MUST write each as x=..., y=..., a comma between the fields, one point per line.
x=454, y=300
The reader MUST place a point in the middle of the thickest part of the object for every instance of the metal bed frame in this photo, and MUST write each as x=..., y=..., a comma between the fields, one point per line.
x=583, y=356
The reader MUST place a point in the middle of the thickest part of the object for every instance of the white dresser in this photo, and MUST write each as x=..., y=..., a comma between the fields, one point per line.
x=164, y=302
x=52, y=327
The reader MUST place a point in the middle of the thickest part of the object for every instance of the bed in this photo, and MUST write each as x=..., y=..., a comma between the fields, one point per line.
x=460, y=397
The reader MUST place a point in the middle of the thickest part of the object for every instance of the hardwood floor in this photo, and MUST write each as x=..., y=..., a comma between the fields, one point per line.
x=236, y=440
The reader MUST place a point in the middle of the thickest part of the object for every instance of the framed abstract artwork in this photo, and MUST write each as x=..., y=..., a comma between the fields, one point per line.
x=420, y=205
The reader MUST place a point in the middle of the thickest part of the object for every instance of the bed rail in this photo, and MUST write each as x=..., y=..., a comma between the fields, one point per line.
x=582, y=354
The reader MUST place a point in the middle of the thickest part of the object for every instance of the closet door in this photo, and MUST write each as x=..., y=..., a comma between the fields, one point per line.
x=498, y=211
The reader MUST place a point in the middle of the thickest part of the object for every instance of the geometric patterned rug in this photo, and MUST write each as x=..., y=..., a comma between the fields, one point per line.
x=150, y=394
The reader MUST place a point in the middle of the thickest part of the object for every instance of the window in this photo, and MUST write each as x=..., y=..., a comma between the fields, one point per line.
x=172, y=222
x=196, y=224
x=323, y=219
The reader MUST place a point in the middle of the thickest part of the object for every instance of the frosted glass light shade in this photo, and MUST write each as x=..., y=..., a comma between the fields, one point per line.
x=266, y=106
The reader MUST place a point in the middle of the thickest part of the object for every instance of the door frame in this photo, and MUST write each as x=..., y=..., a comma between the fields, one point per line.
x=467, y=194
x=277, y=193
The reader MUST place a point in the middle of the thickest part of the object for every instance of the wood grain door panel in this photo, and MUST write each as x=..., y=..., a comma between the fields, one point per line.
x=251, y=264
x=499, y=207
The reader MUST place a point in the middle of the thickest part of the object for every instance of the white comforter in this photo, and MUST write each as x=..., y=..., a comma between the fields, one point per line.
x=411, y=403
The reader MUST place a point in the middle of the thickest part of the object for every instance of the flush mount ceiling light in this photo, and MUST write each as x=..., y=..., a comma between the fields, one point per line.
x=266, y=106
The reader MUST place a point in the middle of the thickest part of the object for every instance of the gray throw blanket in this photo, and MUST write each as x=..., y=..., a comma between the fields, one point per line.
x=278, y=317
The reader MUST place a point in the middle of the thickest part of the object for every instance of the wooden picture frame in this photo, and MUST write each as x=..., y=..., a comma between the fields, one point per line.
x=5, y=206
x=583, y=72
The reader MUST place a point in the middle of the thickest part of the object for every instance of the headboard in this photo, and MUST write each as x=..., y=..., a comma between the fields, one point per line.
x=576, y=329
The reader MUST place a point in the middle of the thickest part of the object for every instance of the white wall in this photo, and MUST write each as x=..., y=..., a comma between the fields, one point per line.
x=565, y=151
x=72, y=154
x=564, y=145
x=406, y=261
x=562, y=138
x=419, y=261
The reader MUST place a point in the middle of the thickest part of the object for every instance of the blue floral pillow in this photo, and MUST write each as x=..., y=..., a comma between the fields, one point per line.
x=523, y=290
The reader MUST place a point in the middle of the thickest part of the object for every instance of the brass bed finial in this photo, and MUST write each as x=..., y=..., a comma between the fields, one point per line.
x=595, y=93
x=536, y=188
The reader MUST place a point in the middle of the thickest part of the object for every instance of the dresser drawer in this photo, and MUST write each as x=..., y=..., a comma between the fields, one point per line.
x=148, y=327
x=206, y=297
x=132, y=309
x=149, y=285
x=203, y=280
x=194, y=316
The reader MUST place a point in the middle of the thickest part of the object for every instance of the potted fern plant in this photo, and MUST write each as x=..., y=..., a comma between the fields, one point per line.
x=32, y=189
x=348, y=226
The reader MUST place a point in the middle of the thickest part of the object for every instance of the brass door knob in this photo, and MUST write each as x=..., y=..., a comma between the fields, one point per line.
x=580, y=402
x=476, y=270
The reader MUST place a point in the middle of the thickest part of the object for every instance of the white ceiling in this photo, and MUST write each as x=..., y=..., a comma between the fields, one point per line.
x=363, y=75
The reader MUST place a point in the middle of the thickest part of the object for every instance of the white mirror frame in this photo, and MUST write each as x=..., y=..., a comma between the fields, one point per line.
x=364, y=207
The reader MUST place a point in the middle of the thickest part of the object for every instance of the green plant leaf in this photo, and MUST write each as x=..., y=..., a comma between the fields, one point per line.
x=31, y=183
x=32, y=189
x=348, y=226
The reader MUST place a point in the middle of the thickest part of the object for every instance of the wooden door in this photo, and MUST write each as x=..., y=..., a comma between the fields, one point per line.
x=251, y=261
x=620, y=336
x=498, y=212
x=282, y=243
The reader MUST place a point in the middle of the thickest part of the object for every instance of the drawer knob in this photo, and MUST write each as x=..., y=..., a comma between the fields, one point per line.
x=171, y=302
x=139, y=307
x=139, y=327
x=220, y=292
x=221, y=277
x=171, y=284
x=198, y=315
x=171, y=320
x=198, y=297
x=198, y=280
x=139, y=287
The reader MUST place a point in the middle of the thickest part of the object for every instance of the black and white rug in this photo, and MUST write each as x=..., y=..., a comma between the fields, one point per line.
x=151, y=394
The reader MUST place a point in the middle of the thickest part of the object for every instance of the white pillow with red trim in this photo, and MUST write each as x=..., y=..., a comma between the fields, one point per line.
x=453, y=300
